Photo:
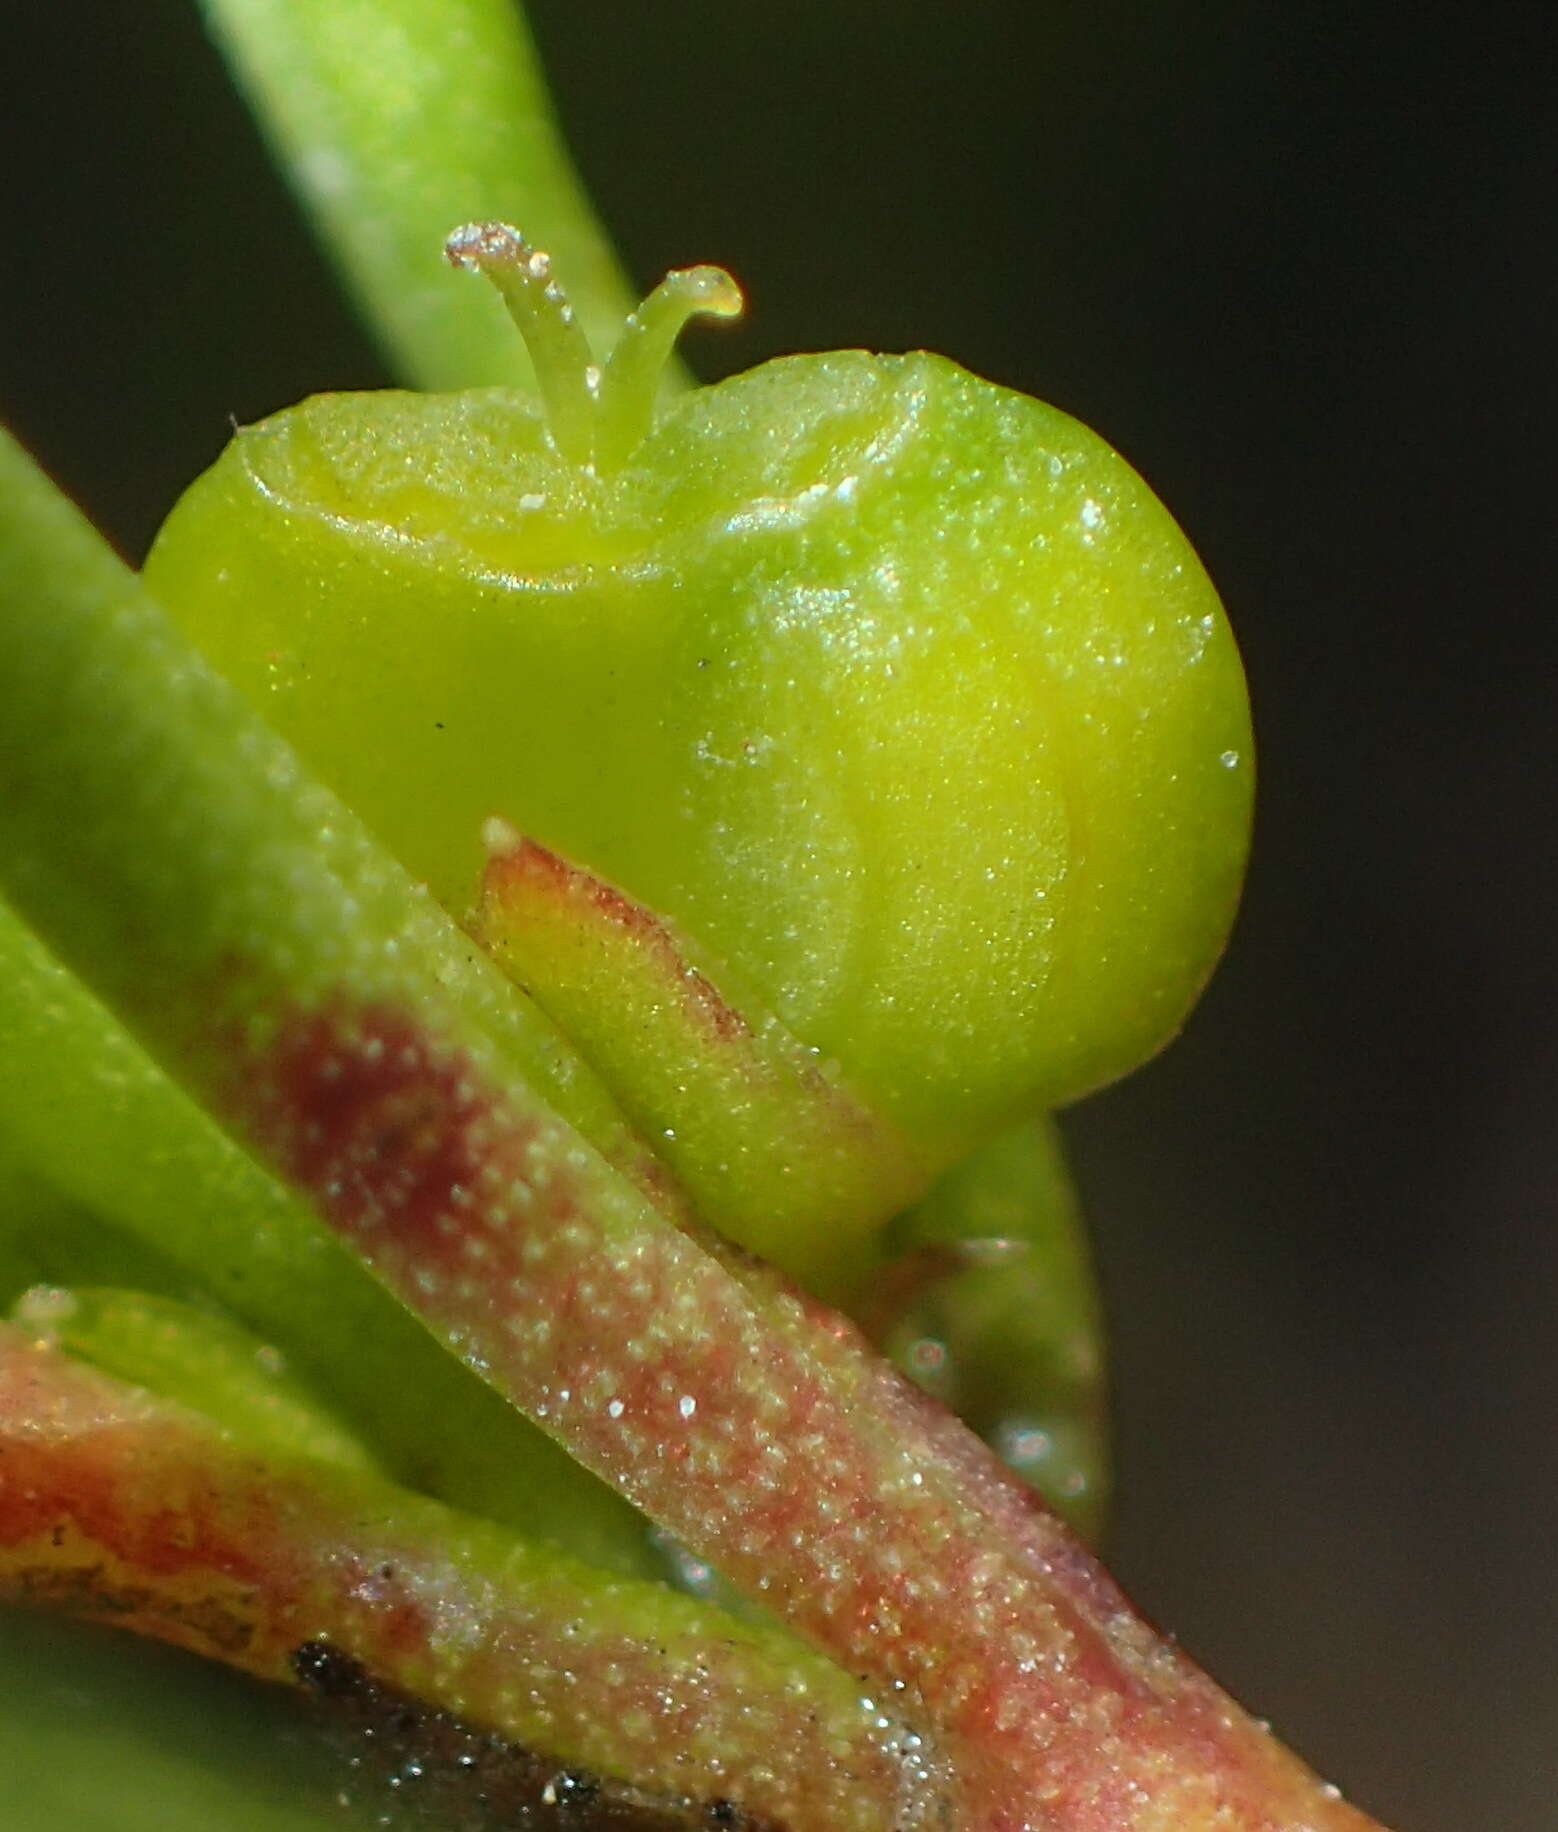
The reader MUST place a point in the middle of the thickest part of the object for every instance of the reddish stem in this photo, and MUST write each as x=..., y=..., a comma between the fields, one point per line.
x=122, y=1507
x=759, y=1428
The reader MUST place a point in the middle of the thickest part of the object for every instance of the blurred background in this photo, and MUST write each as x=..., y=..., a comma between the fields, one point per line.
x=1298, y=263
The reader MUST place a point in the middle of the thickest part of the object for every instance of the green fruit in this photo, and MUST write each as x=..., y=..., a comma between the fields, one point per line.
x=900, y=695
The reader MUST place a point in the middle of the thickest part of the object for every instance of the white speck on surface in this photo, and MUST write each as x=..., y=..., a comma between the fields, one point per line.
x=499, y=836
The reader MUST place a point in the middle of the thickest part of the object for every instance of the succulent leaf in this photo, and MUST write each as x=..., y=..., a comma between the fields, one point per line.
x=115, y=1175
x=987, y=1301
x=770, y=1148
x=122, y=1506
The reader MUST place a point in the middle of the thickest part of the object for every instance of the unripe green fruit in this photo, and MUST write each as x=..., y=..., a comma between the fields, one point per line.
x=900, y=695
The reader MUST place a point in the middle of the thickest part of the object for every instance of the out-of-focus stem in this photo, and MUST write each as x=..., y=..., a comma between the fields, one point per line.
x=396, y=119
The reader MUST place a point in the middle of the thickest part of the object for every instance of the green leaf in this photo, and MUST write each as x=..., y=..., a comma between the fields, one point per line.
x=992, y=1307
x=111, y=1174
x=395, y=120
x=772, y=1150
x=197, y=1357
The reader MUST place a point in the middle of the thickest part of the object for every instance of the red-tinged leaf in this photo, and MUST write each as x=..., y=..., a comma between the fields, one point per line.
x=773, y=1151
x=119, y=1506
x=757, y=1426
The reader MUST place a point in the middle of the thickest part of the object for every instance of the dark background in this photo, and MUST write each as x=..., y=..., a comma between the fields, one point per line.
x=1297, y=262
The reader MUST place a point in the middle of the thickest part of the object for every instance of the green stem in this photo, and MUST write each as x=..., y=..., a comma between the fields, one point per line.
x=396, y=119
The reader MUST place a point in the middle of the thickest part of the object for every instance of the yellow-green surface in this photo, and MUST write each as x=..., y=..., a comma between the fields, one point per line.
x=896, y=691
